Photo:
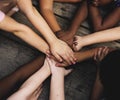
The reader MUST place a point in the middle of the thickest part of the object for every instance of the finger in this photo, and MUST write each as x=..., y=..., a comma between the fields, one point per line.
x=75, y=42
x=38, y=91
x=52, y=57
x=99, y=52
x=106, y=51
x=95, y=55
x=102, y=54
x=48, y=53
x=74, y=59
x=67, y=59
x=49, y=62
x=75, y=38
x=61, y=64
x=71, y=57
x=59, y=59
x=75, y=47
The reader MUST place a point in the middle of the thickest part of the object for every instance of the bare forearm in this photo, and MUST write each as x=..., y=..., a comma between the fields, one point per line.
x=34, y=40
x=84, y=55
x=37, y=20
x=101, y=36
x=51, y=20
x=80, y=16
x=57, y=82
x=25, y=33
x=95, y=16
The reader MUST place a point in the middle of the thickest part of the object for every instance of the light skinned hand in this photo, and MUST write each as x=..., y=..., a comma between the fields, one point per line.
x=58, y=64
x=77, y=43
x=62, y=51
x=55, y=69
x=102, y=52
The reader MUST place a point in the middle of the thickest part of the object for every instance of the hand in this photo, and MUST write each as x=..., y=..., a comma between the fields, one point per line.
x=56, y=70
x=53, y=67
x=77, y=43
x=62, y=64
x=62, y=51
x=101, y=52
x=66, y=36
x=59, y=64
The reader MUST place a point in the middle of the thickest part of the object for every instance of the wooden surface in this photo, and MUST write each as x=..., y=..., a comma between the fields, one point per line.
x=65, y=12
x=14, y=53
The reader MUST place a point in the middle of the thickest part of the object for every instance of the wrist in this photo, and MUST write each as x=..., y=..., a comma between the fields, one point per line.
x=82, y=42
x=52, y=40
x=45, y=50
x=57, y=32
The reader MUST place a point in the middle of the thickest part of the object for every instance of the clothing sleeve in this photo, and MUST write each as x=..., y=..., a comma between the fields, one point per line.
x=2, y=15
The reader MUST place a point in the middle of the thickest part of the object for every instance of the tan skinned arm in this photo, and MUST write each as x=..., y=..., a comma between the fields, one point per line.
x=46, y=9
x=25, y=33
x=57, y=47
x=97, y=37
x=100, y=23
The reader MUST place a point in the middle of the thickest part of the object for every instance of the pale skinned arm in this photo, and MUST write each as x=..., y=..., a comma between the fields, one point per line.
x=25, y=33
x=57, y=47
x=31, y=84
x=97, y=37
x=36, y=79
x=57, y=82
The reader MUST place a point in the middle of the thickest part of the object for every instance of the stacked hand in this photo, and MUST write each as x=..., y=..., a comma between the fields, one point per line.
x=61, y=51
x=101, y=52
x=55, y=69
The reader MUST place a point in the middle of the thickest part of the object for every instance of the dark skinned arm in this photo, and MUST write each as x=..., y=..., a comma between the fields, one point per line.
x=100, y=23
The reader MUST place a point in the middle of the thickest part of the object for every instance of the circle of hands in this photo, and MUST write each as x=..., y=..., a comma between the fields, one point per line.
x=75, y=42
